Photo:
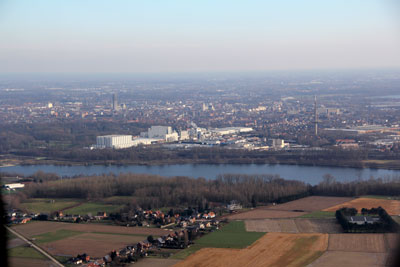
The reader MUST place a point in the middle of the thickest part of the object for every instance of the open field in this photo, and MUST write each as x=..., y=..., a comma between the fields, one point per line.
x=18, y=262
x=43, y=205
x=374, y=243
x=262, y=213
x=382, y=197
x=311, y=206
x=392, y=240
x=146, y=262
x=391, y=206
x=313, y=203
x=42, y=227
x=93, y=208
x=319, y=215
x=54, y=236
x=294, y=225
x=273, y=249
x=25, y=252
x=74, y=206
x=232, y=235
x=96, y=245
x=71, y=238
x=350, y=259
x=14, y=242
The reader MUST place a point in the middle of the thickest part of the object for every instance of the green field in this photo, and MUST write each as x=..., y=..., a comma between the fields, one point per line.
x=319, y=215
x=232, y=235
x=25, y=252
x=93, y=208
x=54, y=236
x=43, y=205
x=117, y=200
x=10, y=235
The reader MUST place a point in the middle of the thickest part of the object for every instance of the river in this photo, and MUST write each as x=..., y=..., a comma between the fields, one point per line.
x=308, y=174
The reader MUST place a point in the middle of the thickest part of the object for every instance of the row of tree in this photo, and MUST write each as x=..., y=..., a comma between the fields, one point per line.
x=150, y=191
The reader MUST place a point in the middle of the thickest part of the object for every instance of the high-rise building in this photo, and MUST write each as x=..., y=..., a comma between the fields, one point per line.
x=115, y=102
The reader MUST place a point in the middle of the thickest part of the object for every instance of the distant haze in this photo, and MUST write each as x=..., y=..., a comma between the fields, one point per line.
x=186, y=36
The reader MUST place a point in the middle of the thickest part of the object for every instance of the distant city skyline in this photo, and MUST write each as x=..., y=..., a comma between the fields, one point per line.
x=199, y=36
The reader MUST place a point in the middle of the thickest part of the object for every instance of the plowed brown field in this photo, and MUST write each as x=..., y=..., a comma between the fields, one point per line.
x=393, y=240
x=18, y=262
x=313, y=203
x=273, y=249
x=265, y=214
x=391, y=206
x=291, y=209
x=37, y=228
x=350, y=259
x=95, y=245
x=293, y=226
x=357, y=242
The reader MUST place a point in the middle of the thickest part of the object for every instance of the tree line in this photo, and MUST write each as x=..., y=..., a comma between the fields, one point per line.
x=156, y=191
x=151, y=191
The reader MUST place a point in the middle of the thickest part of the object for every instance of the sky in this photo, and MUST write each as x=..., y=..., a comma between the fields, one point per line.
x=90, y=36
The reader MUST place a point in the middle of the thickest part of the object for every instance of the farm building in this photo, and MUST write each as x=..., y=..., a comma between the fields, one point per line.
x=362, y=219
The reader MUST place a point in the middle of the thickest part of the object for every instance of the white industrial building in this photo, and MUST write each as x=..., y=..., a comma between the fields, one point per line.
x=184, y=135
x=144, y=141
x=278, y=143
x=114, y=141
x=161, y=132
x=231, y=130
x=13, y=186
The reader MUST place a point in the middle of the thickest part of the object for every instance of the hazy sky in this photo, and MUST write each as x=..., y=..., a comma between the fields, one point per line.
x=197, y=35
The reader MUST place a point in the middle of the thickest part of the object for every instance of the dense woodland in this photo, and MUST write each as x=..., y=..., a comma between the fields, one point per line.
x=155, y=191
x=150, y=191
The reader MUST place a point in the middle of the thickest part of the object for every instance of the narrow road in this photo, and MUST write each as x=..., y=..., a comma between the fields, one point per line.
x=35, y=247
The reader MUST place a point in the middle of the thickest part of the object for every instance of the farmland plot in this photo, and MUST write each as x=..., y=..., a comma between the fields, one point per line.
x=293, y=226
x=96, y=245
x=42, y=227
x=392, y=207
x=357, y=243
x=313, y=203
x=350, y=259
x=261, y=213
x=273, y=249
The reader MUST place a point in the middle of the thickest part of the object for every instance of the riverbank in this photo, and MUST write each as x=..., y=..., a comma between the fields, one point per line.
x=363, y=164
x=306, y=173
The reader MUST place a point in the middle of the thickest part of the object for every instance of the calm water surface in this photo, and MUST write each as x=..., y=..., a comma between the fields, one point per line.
x=309, y=174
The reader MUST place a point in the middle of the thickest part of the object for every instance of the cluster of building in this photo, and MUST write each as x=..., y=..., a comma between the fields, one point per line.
x=284, y=111
x=165, y=134
x=18, y=217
